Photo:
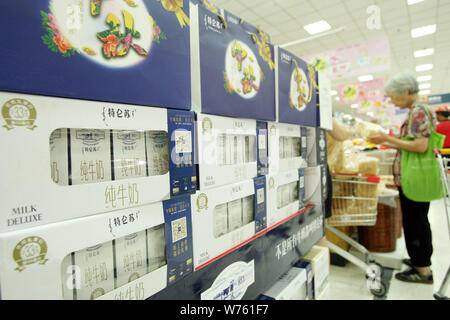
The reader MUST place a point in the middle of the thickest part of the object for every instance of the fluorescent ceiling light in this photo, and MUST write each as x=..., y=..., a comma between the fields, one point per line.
x=423, y=31
x=424, y=78
x=337, y=99
x=424, y=92
x=365, y=78
x=333, y=92
x=411, y=2
x=317, y=27
x=370, y=114
x=424, y=67
x=424, y=52
x=425, y=86
x=354, y=106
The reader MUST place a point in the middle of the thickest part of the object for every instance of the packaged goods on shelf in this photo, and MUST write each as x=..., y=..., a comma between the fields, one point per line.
x=285, y=194
x=316, y=146
x=233, y=71
x=319, y=257
x=226, y=216
x=262, y=141
x=296, y=86
x=223, y=145
x=307, y=266
x=287, y=147
x=149, y=247
x=315, y=185
x=90, y=157
x=75, y=40
x=291, y=286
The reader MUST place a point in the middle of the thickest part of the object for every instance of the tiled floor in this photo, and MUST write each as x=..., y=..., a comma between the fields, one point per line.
x=349, y=283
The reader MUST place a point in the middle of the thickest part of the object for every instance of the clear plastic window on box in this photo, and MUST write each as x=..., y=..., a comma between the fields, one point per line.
x=81, y=156
x=92, y=272
x=287, y=194
x=232, y=215
x=289, y=147
x=235, y=149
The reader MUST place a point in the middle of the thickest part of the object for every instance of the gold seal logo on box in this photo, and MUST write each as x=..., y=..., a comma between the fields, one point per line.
x=207, y=125
x=19, y=113
x=271, y=183
x=202, y=202
x=29, y=251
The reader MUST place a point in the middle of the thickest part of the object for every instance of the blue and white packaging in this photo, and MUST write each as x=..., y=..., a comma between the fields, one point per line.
x=317, y=146
x=307, y=266
x=233, y=72
x=291, y=286
x=319, y=257
x=133, y=52
x=296, y=90
x=285, y=195
x=262, y=138
x=315, y=185
x=226, y=150
x=50, y=186
x=214, y=209
x=286, y=147
x=36, y=266
x=325, y=110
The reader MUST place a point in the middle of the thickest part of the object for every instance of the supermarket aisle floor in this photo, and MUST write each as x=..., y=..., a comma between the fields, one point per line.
x=349, y=283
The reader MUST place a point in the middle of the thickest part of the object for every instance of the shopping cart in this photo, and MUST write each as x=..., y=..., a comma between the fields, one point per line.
x=354, y=203
x=386, y=159
x=444, y=169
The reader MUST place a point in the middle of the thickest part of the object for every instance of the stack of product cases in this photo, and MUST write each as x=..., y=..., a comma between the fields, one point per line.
x=100, y=166
x=118, y=181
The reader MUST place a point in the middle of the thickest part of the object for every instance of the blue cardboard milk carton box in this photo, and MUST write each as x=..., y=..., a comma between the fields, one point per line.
x=296, y=90
x=134, y=52
x=233, y=71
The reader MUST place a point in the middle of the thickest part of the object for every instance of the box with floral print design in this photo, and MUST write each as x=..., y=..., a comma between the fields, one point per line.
x=123, y=51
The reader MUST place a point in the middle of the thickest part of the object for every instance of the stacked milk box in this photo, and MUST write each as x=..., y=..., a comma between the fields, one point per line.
x=99, y=146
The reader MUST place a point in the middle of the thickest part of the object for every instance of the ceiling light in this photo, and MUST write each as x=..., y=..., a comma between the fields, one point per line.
x=317, y=27
x=354, y=106
x=424, y=92
x=333, y=92
x=365, y=78
x=411, y=2
x=337, y=99
x=425, y=86
x=370, y=114
x=424, y=67
x=424, y=52
x=424, y=78
x=423, y=31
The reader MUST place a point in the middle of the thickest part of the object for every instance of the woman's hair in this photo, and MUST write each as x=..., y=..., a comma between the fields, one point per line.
x=401, y=82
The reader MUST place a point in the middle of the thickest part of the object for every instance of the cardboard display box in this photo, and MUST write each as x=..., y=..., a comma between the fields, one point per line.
x=233, y=72
x=296, y=90
x=285, y=194
x=287, y=147
x=227, y=150
x=319, y=257
x=226, y=216
x=69, y=158
x=133, y=52
x=317, y=146
x=291, y=286
x=150, y=247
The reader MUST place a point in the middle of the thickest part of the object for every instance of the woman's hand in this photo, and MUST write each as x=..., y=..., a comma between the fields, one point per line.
x=379, y=138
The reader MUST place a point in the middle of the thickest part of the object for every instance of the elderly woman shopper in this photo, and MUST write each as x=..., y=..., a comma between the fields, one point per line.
x=403, y=90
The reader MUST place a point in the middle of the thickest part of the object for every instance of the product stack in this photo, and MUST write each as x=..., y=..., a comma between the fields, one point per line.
x=141, y=150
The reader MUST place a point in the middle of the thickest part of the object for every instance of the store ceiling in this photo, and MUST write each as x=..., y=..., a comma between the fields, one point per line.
x=284, y=21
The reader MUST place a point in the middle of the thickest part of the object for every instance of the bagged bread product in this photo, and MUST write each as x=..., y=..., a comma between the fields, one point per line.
x=342, y=206
x=348, y=163
x=367, y=191
x=368, y=166
x=342, y=186
x=366, y=129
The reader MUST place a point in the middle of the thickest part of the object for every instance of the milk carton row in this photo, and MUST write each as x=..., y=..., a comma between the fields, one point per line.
x=69, y=158
x=135, y=252
x=171, y=54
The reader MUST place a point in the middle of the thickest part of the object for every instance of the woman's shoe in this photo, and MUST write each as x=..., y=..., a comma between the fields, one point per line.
x=407, y=262
x=412, y=275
